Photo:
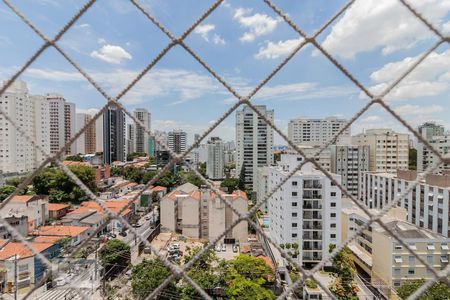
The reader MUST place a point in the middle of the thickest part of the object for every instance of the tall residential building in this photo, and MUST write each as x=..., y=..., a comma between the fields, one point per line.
x=350, y=161
x=315, y=131
x=324, y=157
x=177, y=141
x=199, y=213
x=141, y=137
x=254, y=142
x=70, y=126
x=131, y=138
x=99, y=134
x=306, y=211
x=113, y=135
x=427, y=204
x=388, y=150
x=86, y=143
x=31, y=114
x=439, y=139
x=215, y=163
x=57, y=122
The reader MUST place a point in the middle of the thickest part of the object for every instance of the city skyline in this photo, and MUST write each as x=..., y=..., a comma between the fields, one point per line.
x=178, y=86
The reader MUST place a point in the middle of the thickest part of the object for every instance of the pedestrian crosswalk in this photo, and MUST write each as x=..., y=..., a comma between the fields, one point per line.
x=59, y=294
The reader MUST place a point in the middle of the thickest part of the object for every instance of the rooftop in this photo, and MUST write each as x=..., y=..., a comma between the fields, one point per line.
x=57, y=206
x=407, y=230
x=22, y=251
x=61, y=230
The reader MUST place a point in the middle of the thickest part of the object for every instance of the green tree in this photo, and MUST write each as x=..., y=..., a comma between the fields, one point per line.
x=230, y=184
x=251, y=268
x=115, y=257
x=133, y=155
x=241, y=184
x=243, y=289
x=77, y=157
x=132, y=173
x=167, y=180
x=202, y=169
x=5, y=191
x=438, y=290
x=344, y=286
x=116, y=171
x=147, y=276
x=227, y=169
x=14, y=181
x=412, y=159
x=191, y=177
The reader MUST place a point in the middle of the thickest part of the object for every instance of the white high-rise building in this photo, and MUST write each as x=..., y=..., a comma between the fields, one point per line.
x=350, y=161
x=114, y=135
x=388, y=150
x=141, y=137
x=306, y=211
x=254, y=142
x=70, y=126
x=315, y=131
x=31, y=114
x=57, y=122
x=177, y=141
x=439, y=139
x=216, y=157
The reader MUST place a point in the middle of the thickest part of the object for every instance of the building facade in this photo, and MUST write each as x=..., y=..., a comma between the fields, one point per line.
x=350, y=161
x=177, y=141
x=114, y=135
x=215, y=163
x=439, y=139
x=70, y=126
x=388, y=150
x=141, y=137
x=31, y=114
x=427, y=204
x=57, y=124
x=86, y=142
x=315, y=131
x=254, y=142
x=305, y=211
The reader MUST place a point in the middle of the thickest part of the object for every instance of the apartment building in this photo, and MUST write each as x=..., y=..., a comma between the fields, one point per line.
x=323, y=158
x=388, y=150
x=254, y=142
x=439, y=139
x=57, y=123
x=427, y=204
x=34, y=207
x=262, y=186
x=200, y=213
x=316, y=131
x=114, y=135
x=31, y=114
x=131, y=138
x=177, y=141
x=386, y=261
x=70, y=126
x=86, y=143
x=350, y=161
x=306, y=210
x=216, y=156
x=141, y=137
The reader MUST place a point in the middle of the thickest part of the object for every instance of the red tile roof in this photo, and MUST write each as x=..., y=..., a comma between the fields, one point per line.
x=23, y=198
x=57, y=206
x=22, y=251
x=61, y=230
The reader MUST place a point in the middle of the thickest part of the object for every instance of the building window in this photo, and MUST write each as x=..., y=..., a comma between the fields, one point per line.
x=412, y=246
x=294, y=183
x=430, y=246
x=411, y=272
x=333, y=194
x=333, y=235
x=444, y=246
x=294, y=194
x=333, y=215
x=294, y=235
x=444, y=258
x=397, y=271
x=398, y=259
x=398, y=247
x=430, y=258
x=294, y=204
x=333, y=225
x=333, y=204
x=294, y=225
x=294, y=215
x=411, y=259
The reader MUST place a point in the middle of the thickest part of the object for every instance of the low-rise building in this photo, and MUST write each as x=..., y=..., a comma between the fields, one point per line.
x=77, y=233
x=383, y=258
x=427, y=204
x=200, y=213
x=57, y=210
x=32, y=206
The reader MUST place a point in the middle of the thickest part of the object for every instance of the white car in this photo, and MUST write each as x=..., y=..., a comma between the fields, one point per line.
x=60, y=281
x=218, y=248
x=224, y=248
x=175, y=246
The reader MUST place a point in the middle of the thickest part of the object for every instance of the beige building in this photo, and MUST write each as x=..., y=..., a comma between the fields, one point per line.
x=386, y=261
x=388, y=150
x=200, y=213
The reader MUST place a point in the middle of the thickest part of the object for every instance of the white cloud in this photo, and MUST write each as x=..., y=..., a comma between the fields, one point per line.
x=101, y=41
x=204, y=31
x=89, y=111
x=185, y=84
x=430, y=78
x=274, y=50
x=111, y=54
x=416, y=110
x=256, y=25
x=385, y=24
x=84, y=25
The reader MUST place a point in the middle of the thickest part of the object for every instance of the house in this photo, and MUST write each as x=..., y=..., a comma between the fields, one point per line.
x=17, y=259
x=200, y=213
x=77, y=233
x=33, y=206
x=57, y=210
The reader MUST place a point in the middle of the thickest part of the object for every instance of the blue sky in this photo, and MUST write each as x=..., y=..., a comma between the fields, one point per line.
x=243, y=41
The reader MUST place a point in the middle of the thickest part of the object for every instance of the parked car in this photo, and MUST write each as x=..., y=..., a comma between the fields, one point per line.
x=112, y=235
x=218, y=247
x=60, y=281
x=175, y=246
x=224, y=248
x=235, y=248
x=123, y=233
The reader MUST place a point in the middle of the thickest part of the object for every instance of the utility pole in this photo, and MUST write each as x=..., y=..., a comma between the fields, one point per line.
x=15, y=276
x=96, y=263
